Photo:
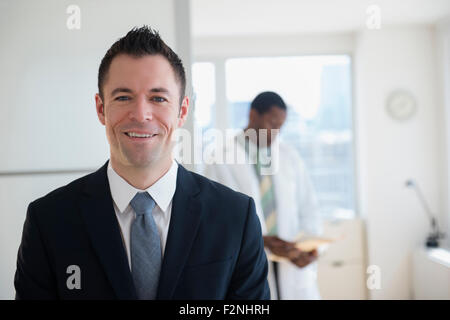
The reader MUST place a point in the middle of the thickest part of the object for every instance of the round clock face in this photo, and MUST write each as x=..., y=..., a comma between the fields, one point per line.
x=401, y=105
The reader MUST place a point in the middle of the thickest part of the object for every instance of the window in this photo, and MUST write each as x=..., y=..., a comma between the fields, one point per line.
x=317, y=90
x=203, y=82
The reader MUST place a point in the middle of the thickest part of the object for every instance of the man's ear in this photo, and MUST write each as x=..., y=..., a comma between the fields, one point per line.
x=100, y=107
x=183, y=112
x=253, y=117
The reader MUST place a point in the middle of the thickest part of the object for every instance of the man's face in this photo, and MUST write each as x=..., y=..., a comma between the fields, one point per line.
x=141, y=110
x=272, y=119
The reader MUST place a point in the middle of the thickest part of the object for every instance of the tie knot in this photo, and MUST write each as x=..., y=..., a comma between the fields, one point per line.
x=142, y=203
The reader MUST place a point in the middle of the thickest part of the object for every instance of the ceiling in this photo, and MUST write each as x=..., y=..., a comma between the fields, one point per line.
x=263, y=17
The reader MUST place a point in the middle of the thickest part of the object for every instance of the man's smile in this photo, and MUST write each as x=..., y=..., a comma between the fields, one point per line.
x=140, y=136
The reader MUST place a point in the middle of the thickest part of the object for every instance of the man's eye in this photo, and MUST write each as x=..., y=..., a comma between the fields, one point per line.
x=159, y=99
x=122, y=98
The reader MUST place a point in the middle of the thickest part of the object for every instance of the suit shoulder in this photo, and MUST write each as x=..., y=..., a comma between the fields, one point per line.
x=63, y=193
x=224, y=207
x=218, y=190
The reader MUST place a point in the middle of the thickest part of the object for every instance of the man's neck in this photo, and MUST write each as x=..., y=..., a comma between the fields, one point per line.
x=142, y=177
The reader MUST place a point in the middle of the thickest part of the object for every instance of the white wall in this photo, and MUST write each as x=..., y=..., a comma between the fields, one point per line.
x=443, y=55
x=390, y=152
x=48, y=83
x=280, y=45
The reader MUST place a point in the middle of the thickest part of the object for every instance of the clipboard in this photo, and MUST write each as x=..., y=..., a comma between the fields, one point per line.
x=306, y=243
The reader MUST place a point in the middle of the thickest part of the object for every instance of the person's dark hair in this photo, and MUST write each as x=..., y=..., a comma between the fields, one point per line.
x=266, y=100
x=140, y=42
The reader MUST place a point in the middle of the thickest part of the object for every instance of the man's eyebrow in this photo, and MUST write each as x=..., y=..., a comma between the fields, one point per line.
x=117, y=90
x=127, y=90
x=159, y=89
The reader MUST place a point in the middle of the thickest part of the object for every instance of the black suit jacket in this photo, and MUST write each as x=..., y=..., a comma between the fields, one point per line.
x=214, y=247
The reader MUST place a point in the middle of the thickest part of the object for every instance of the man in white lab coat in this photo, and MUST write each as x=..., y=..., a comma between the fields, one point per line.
x=284, y=197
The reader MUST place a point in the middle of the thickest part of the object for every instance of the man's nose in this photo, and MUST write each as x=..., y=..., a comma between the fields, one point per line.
x=142, y=110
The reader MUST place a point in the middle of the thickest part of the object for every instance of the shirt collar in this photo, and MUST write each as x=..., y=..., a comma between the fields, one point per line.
x=161, y=191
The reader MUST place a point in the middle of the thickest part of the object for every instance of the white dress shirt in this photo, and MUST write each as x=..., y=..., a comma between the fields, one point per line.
x=161, y=191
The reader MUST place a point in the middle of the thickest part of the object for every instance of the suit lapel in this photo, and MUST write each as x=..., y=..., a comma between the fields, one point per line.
x=184, y=222
x=103, y=228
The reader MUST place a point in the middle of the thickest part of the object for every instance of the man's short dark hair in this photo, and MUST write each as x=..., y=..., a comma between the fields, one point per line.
x=140, y=42
x=266, y=100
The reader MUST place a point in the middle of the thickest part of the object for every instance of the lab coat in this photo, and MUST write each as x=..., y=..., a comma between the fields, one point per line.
x=297, y=210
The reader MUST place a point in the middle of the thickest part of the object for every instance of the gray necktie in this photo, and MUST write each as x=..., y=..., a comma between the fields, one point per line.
x=145, y=247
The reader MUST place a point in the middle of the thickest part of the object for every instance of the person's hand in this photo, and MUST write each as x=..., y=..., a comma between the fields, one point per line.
x=288, y=250
x=302, y=258
x=278, y=246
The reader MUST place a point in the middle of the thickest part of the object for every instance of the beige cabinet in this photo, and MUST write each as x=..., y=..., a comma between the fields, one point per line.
x=342, y=267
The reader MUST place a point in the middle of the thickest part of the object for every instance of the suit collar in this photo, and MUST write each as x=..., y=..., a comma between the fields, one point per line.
x=97, y=210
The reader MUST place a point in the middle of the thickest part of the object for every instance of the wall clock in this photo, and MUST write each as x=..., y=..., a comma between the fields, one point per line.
x=401, y=105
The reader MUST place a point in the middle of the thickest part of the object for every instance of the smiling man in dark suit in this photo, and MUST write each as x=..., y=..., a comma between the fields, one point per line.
x=142, y=226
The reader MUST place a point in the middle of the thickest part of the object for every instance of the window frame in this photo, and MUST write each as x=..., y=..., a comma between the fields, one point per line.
x=218, y=51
